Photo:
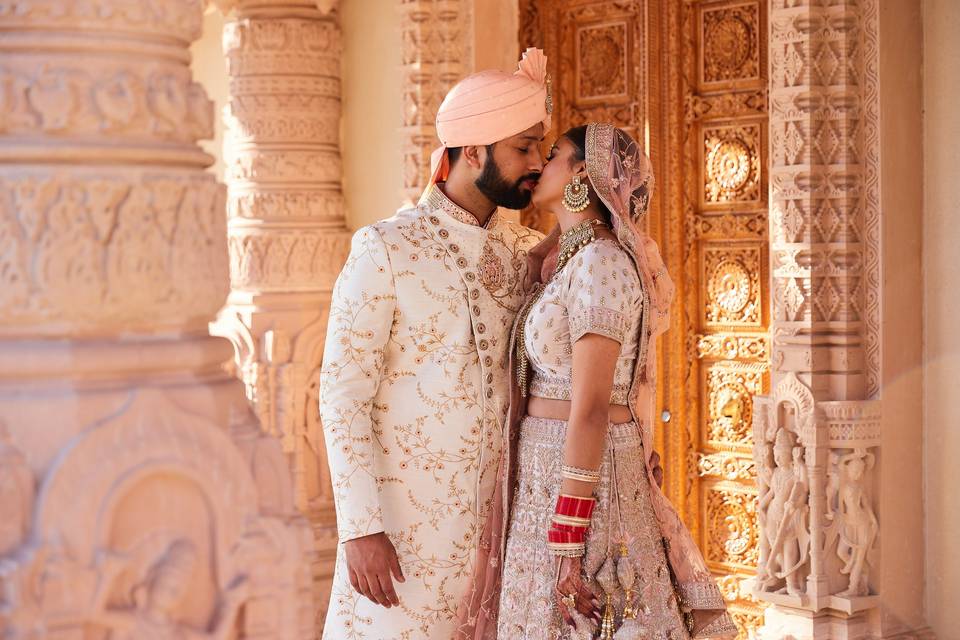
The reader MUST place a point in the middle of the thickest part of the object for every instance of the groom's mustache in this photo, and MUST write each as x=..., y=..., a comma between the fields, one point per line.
x=530, y=176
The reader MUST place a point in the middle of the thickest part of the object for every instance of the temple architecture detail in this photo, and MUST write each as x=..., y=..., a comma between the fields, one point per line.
x=162, y=464
x=437, y=51
x=286, y=232
x=140, y=495
x=818, y=435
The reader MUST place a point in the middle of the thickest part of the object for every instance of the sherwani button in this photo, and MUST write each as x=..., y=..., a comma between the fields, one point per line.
x=455, y=248
x=444, y=233
x=434, y=220
x=481, y=328
x=461, y=263
x=474, y=294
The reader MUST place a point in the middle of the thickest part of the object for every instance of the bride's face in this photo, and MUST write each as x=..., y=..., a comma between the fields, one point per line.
x=557, y=173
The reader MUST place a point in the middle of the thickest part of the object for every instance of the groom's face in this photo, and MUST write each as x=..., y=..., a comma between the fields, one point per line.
x=511, y=169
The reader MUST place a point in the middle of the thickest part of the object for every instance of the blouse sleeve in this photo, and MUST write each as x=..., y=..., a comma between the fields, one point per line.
x=603, y=293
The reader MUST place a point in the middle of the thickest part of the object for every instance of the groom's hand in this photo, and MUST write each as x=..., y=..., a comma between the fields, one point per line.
x=372, y=561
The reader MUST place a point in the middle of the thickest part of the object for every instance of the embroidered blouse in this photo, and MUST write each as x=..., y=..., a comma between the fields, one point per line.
x=597, y=291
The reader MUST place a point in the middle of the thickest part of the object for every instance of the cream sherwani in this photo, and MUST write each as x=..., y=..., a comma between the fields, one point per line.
x=413, y=400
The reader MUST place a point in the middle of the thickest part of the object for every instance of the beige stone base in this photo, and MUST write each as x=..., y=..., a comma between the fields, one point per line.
x=786, y=623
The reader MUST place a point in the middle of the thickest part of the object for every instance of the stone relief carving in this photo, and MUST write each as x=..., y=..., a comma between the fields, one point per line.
x=167, y=538
x=150, y=18
x=16, y=494
x=852, y=516
x=287, y=238
x=158, y=594
x=161, y=509
x=437, y=51
x=785, y=509
x=87, y=246
x=115, y=99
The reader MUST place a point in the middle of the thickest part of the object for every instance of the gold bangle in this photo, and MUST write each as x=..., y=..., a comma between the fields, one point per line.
x=571, y=520
x=580, y=475
x=567, y=550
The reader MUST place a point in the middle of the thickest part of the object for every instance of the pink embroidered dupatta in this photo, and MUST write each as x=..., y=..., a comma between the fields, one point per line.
x=622, y=176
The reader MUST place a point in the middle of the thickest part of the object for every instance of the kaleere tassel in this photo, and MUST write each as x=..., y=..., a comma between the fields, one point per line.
x=607, y=579
x=627, y=577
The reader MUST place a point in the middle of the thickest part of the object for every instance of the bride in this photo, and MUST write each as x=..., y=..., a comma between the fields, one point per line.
x=580, y=542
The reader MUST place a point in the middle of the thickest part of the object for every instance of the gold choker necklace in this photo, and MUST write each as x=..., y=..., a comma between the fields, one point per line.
x=576, y=238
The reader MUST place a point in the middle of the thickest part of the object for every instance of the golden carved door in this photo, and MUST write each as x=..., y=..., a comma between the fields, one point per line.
x=688, y=78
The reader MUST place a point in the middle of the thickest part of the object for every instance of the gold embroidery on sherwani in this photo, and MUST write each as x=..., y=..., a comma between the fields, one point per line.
x=413, y=399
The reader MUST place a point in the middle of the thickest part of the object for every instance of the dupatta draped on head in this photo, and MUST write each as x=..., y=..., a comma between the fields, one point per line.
x=622, y=177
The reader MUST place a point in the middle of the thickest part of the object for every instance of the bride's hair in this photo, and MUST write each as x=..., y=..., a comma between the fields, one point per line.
x=578, y=137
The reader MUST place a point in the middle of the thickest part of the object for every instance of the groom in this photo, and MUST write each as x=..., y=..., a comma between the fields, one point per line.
x=415, y=381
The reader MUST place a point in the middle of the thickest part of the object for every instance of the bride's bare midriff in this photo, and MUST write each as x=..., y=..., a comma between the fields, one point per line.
x=560, y=410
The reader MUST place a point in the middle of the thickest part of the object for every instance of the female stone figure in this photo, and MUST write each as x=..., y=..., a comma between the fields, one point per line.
x=857, y=524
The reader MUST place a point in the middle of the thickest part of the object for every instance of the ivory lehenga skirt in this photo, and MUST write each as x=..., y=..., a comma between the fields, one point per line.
x=624, y=547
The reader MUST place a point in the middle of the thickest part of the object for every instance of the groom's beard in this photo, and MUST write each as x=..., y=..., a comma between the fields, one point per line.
x=502, y=193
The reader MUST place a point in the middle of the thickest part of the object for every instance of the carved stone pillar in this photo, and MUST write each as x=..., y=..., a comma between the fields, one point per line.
x=287, y=233
x=437, y=38
x=818, y=436
x=138, y=494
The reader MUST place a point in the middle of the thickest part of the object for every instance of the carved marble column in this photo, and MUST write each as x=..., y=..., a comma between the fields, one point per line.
x=287, y=233
x=139, y=495
x=437, y=43
x=818, y=435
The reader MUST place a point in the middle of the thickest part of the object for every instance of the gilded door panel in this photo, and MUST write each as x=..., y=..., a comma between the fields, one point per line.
x=725, y=196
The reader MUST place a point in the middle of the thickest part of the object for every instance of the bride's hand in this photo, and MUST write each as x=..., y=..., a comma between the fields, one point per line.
x=570, y=583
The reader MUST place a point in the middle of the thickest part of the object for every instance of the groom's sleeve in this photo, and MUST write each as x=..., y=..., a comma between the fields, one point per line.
x=361, y=317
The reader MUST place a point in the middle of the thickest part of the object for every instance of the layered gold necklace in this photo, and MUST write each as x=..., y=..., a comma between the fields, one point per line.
x=571, y=241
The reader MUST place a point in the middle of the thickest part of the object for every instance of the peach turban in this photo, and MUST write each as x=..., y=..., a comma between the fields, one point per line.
x=491, y=105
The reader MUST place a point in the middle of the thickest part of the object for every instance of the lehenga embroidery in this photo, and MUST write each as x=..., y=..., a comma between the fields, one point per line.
x=529, y=573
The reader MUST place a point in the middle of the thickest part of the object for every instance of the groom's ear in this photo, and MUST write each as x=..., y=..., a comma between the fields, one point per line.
x=473, y=156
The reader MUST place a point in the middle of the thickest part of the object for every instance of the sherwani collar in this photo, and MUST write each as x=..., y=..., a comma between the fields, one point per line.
x=437, y=199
